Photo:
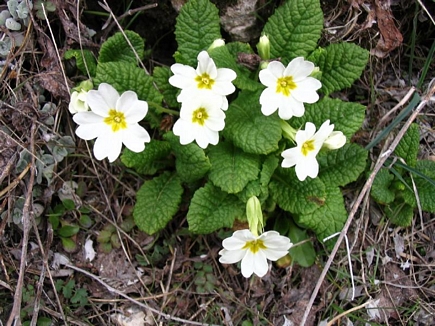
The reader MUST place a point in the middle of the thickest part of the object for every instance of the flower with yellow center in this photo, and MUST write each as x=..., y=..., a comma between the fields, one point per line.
x=200, y=120
x=254, y=251
x=288, y=88
x=113, y=120
x=303, y=156
x=208, y=80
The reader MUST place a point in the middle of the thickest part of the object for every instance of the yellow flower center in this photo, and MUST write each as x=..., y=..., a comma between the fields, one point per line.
x=255, y=245
x=116, y=120
x=285, y=84
x=307, y=147
x=204, y=81
x=199, y=116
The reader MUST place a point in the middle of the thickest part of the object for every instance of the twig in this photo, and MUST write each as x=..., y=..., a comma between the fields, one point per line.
x=344, y=313
x=14, y=317
x=383, y=157
x=140, y=304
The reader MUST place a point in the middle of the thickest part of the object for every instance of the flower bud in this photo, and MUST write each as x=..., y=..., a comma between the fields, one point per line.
x=216, y=43
x=78, y=102
x=255, y=216
x=335, y=140
x=263, y=47
x=288, y=131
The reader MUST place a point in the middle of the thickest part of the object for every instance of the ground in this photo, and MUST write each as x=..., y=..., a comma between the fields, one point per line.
x=174, y=277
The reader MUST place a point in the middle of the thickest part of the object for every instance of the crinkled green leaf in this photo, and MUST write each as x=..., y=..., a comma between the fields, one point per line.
x=342, y=166
x=380, y=190
x=409, y=145
x=149, y=161
x=303, y=254
x=400, y=213
x=347, y=117
x=157, y=202
x=269, y=166
x=341, y=64
x=116, y=48
x=425, y=186
x=231, y=168
x=253, y=188
x=329, y=217
x=295, y=196
x=83, y=59
x=250, y=129
x=196, y=28
x=191, y=162
x=294, y=29
x=161, y=76
x=212, y=209
x=223, y=59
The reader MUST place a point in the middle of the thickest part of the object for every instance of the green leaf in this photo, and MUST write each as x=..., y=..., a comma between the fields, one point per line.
x=294, y=29
x=128, y=77
x=400, y=213
x=69, y=204
x=212, y=209
x=67, y=231
x=44, y=321
x=223, y=59
x=424, y=182
x=85, y=221
x=196, y=28
x=253, y=188
x=248, y=128
x=231, y=168
x=68, y=244
x=347, y=117
x=329, y=217
x=83, y=59
x=342, y=166
x=161, y=76
x=68, y=288
x=116, y=48
x=269, y=166
x=340, y=64
x=80, y=297
x=149, y=161
x=381, y=187
x=303, y=254
x=409, y=145
x=191, y=163
x=157, y=202
x=295, y=196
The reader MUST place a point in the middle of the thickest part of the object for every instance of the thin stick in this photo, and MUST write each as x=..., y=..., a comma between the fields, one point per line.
x=14, y=317
x=344, y=313
x=383, y=157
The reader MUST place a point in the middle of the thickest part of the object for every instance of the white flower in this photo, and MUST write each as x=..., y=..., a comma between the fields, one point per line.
x=78, y=102
x=309, y=142
x=254, y=251
x=335, y=141
x=214, y=82
x=288, y=88
x=200, y=120
x=113, y=120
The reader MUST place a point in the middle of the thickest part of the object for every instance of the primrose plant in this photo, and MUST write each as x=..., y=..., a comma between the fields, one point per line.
x=268, y=137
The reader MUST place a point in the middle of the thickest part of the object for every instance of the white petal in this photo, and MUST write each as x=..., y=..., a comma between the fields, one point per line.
x=87, y=118
x=225, y=75
x=269, y=101
x=184, y=76
x=304, y=135
x=206, y=65
x=98, y=104
x=135, y=137
x=231, y=256
x=324, y=131
x=267, y=78
x=335, y=140
x=291, y=157
x=276, y=68
x=290, y=107
x=306, y=90
x=254, y=263
x=223, y=88
x=134, y=109
x=184, y=131
x=109, y=94
x=108, y=145
x=308, y=167
x=90, y=131
x=299, y=69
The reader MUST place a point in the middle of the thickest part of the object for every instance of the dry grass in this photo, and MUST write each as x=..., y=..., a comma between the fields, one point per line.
x=174, y=278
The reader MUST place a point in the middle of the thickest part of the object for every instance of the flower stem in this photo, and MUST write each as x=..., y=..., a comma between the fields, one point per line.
x=161, y=109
